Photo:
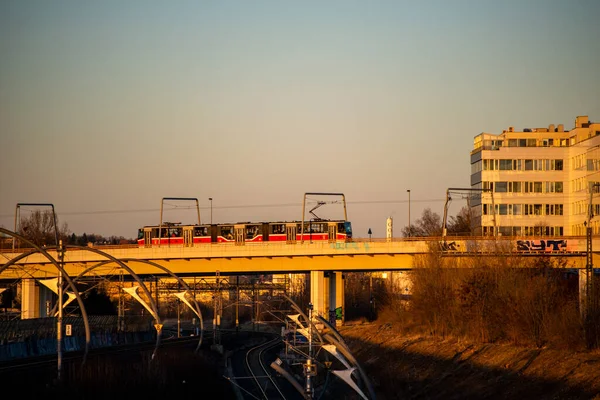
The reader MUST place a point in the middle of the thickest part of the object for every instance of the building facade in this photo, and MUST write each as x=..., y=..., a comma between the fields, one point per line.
x=536, y=181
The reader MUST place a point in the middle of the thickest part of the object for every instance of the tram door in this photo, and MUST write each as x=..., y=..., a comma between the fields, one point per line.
x=240, y=234
x=332, y=230
x=188, y=236
x=290, y=231
x=147, y=237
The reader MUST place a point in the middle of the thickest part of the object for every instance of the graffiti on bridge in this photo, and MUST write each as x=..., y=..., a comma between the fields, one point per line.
x=449, y=246
x=542, y=245
x=349, y=245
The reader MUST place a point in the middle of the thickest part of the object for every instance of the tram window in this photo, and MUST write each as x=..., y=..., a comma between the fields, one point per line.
x=174, y=232
x=341, y=227
x=227, y=232
x=348, y=226
x=251, y=231
x=278, y=229
x=200, y=231
x=140, y=234
x=164, y=232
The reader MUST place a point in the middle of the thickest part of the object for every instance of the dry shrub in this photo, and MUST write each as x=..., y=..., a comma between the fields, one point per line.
x=565, y=328
x=479, y=301
x=495, y=298
x=535, y=297
x=433, y=294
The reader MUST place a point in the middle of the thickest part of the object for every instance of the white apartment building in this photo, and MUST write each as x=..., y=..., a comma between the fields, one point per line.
x=536, y=181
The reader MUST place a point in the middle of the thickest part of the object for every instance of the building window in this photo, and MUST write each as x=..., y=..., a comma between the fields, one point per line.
x=558, y=187
x=506, y=165
x=505, y=230
x=517, y=165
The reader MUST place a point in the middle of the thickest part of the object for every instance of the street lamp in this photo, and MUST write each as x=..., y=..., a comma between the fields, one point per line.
x=408, y=191
x=210, y=199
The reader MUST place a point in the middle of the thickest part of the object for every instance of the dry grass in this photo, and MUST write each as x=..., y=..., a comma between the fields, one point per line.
x=410, y=366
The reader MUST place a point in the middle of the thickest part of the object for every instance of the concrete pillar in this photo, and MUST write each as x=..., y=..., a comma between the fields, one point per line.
x=326, y=291
x=29, y=299
x=36, y=300
x=317, y=293
x=336, y=297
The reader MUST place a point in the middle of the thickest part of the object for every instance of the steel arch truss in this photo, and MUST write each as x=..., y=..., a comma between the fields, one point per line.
x=197, y=309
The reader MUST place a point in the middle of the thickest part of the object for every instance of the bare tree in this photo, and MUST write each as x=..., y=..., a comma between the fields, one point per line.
x=461, y=223
x=39, y=228
x=430, y=224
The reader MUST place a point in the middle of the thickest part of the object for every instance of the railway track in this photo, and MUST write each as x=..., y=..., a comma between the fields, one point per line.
x=258, y=366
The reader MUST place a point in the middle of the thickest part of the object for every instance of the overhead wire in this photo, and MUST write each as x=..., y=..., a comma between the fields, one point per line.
x=222, y=207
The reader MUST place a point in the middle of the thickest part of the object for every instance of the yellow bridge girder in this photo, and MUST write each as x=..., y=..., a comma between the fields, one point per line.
x=265, y=258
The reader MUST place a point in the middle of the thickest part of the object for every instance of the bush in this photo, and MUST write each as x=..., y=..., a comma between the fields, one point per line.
x=493, y=299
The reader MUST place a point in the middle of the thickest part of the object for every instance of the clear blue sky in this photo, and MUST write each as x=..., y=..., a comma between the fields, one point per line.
x=108, y=106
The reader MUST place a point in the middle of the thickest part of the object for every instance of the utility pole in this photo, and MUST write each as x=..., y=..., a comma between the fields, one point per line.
x=371, y=303
x=237, y=303
x=219, y=306
x=309, y=367
x=408, y=190
x=178, y=311
x=216, y=316
x=59, y=323
x=590, y=295
x=121, y=310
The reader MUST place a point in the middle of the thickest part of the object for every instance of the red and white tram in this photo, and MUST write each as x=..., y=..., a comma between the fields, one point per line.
x=245, y=232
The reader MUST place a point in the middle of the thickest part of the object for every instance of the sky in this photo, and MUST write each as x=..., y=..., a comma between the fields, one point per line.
x=109, y=107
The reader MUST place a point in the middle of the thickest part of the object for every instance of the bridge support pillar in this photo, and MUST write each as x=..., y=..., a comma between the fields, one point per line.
x=36, y=300
x=327, y=295
x=336, y=298
x=30, y=298
x=317, y=293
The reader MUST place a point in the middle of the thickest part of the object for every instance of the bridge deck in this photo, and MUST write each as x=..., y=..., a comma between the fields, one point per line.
x=281, y=257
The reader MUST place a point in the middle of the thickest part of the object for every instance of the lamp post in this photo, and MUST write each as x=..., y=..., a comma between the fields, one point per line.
x=409, y=233
x=210, y=199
